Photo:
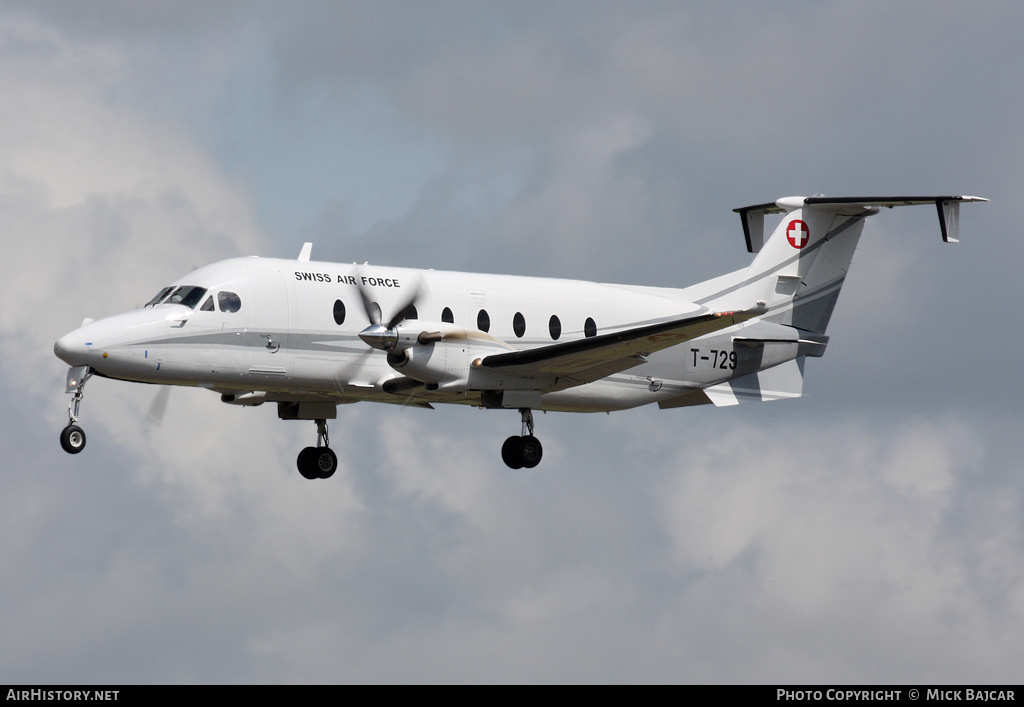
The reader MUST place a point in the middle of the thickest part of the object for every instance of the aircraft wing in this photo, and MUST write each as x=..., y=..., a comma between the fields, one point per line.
x=573, y=363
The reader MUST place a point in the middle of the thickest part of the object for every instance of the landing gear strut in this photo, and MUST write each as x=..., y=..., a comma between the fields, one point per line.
x=72, y=437
x=525, y=450
x=319, y=462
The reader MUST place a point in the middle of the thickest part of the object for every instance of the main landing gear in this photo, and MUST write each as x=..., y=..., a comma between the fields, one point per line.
x=319, y=462
x=72, y=437
x=525, y=450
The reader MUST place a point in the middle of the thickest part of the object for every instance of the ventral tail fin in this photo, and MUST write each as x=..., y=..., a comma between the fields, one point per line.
x=800, y=269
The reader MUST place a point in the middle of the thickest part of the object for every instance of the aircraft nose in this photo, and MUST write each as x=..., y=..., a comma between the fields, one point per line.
x=71, y=349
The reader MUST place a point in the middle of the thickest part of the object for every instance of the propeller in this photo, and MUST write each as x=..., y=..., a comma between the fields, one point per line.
x=385, y=336
x=158, y=408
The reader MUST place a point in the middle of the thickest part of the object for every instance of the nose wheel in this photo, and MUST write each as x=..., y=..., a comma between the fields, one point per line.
x=319, y=462
x=72, y=437
x=526, y=450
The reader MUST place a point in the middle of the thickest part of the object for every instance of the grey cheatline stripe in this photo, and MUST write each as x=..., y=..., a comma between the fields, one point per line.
x=807, y=297
x=778, y=266
x=299, y=342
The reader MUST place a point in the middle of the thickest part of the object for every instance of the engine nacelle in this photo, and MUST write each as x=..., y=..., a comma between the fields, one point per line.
x=442, y=354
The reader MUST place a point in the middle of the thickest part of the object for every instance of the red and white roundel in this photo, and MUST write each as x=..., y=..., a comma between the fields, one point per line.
x=798, y=234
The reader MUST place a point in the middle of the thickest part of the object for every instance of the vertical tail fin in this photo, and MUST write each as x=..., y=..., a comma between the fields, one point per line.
x=803, y=265
x=800, y=270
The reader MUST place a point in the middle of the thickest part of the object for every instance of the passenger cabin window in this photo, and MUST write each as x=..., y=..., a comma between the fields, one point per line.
x=519, y=324
x=589, y=328
x=207, y=305
x=373, y=312
x=483, y=320
x=229, y=302
x=410, y=312
x=554, y=327
x=447, y=316
x=339, y=312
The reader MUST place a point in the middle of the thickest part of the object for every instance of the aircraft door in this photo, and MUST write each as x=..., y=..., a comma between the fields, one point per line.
x=476, y=305
x=267, y=337
x=202, y=332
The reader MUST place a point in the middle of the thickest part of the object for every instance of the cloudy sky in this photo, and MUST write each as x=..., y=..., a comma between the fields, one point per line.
x=872, y=531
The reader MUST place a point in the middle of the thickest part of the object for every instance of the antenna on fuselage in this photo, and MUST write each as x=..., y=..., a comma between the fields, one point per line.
x=307, y=249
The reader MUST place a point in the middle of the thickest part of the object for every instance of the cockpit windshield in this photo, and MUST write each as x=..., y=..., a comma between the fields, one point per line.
x=159, y=296
x=188, y=295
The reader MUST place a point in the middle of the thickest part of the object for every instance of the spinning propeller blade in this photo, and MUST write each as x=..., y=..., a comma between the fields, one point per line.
x=371, y=308
x=158, y=408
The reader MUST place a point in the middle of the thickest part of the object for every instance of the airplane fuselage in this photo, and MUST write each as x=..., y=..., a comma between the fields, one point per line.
x=291, y=329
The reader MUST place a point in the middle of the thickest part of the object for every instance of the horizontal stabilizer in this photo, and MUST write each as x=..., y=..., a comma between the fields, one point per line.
x=948, y=208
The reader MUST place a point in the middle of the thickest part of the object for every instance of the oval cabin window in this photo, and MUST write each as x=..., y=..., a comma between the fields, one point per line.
x=373, y=312
x=554, y=327
x=229, y=302
x=519, y=324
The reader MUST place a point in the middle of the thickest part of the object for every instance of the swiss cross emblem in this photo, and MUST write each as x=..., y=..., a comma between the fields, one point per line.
x=798, y=234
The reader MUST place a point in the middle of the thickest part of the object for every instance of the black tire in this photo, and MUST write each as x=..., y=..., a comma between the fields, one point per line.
x=325, y=462
x=530, y=450
x=511, y=453
x=72, y=439
x=306, y=464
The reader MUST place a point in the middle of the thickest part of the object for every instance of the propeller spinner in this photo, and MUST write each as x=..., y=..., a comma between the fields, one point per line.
x=386, y=336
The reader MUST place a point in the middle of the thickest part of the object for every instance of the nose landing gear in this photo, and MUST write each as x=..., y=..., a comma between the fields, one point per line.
x=72, y=437
x=319, y=462
x=525, y=450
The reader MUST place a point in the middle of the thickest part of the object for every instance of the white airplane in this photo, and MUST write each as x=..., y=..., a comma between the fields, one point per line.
x=310, y=336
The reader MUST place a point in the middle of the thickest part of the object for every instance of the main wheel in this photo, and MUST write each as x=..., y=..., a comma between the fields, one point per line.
x=530, y=450
x=307, y=463
x=72, y=439
x=325, y=462
x=511, y=453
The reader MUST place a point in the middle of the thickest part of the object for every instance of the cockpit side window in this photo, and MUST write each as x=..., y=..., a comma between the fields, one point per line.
x=229, y=301
x=188, y=295
x=207, y=305
x=160, y=295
